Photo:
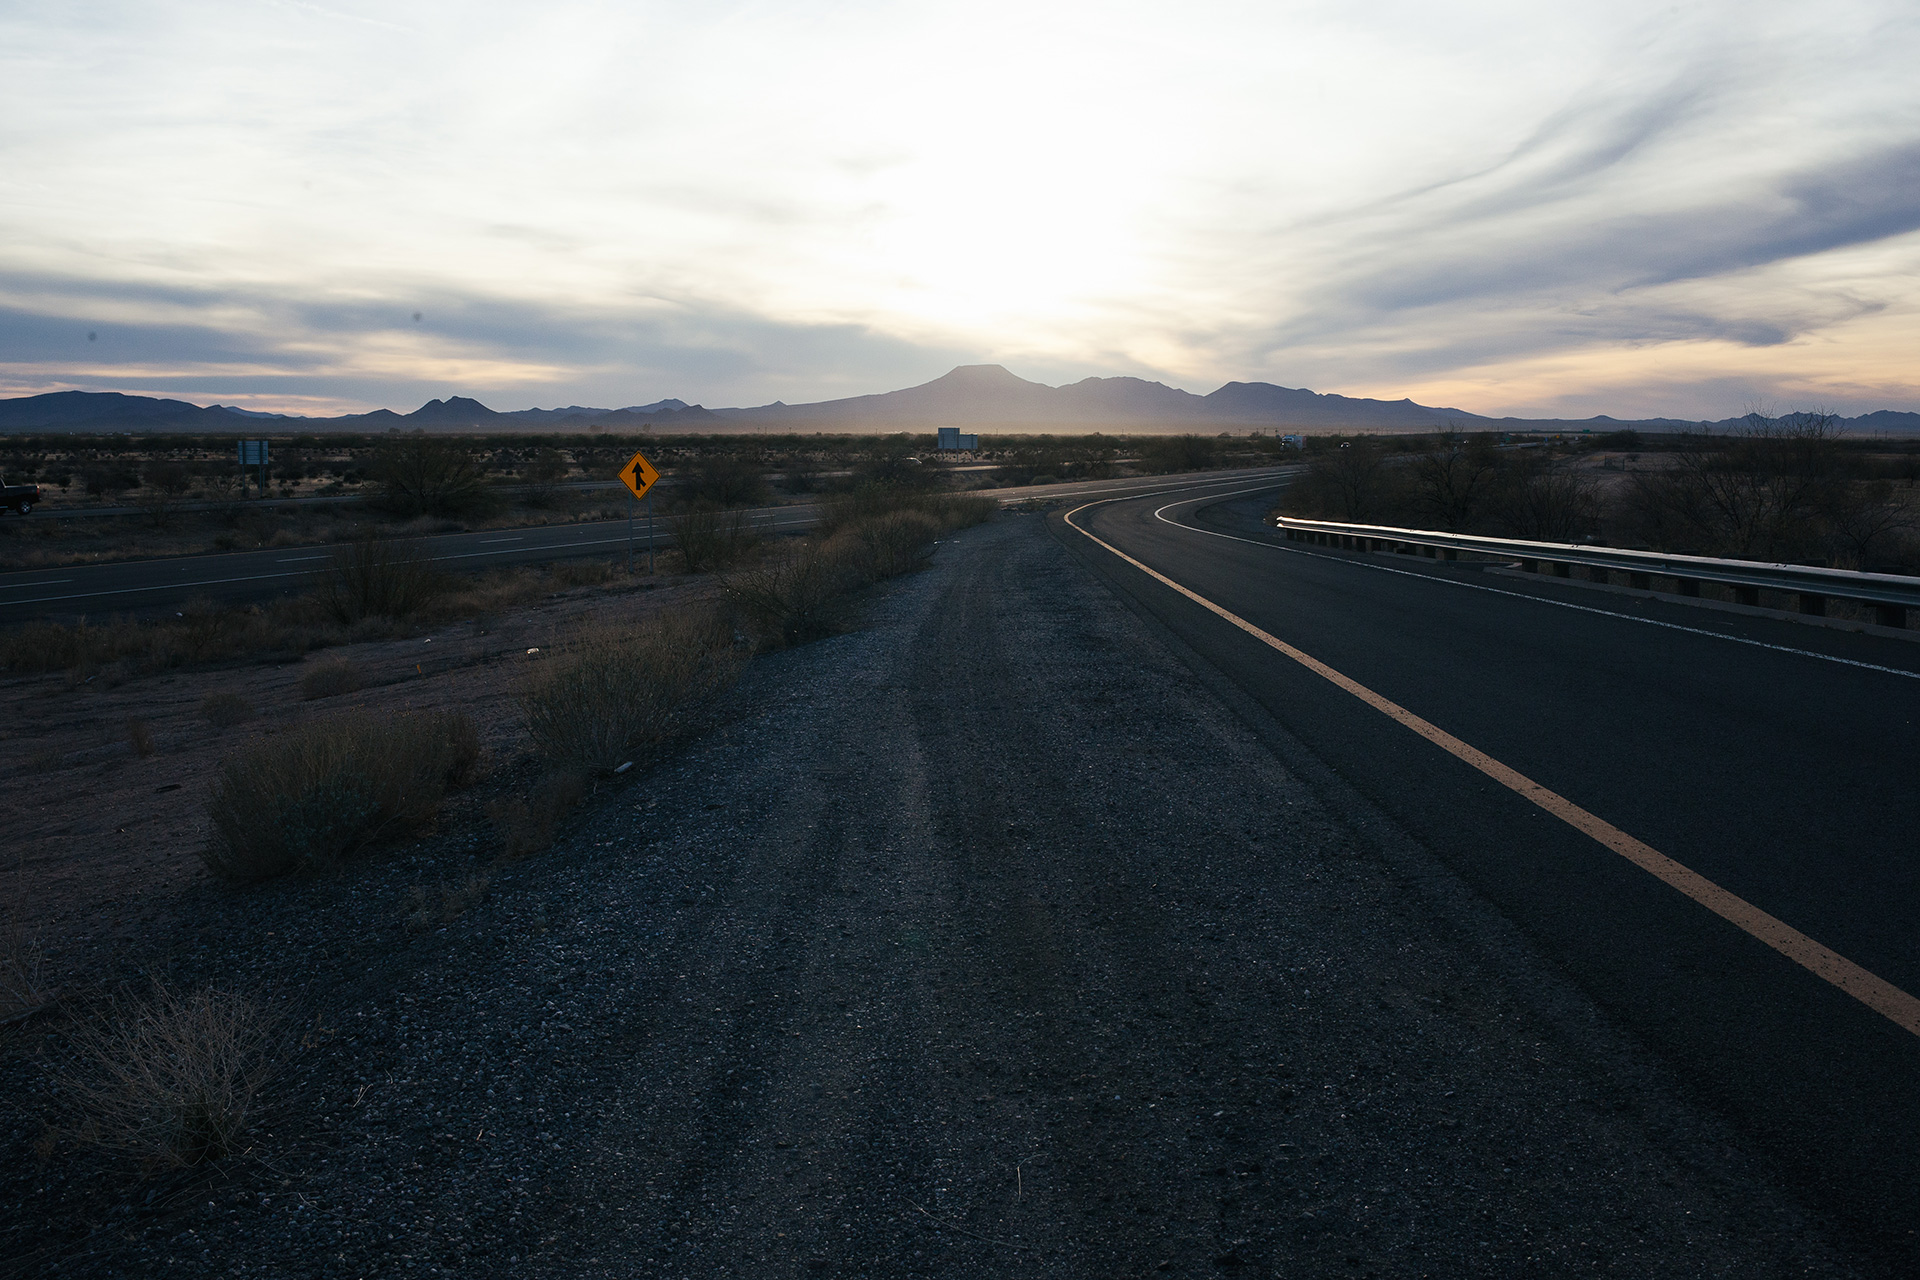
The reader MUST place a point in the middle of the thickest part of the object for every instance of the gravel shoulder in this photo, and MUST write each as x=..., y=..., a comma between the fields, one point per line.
x=989, y=939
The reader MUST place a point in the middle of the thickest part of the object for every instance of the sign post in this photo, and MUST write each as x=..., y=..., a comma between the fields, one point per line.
x=253, y=453
x=638, y=475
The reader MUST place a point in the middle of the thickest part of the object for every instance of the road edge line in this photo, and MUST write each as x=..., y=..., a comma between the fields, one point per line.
x=1885, y=999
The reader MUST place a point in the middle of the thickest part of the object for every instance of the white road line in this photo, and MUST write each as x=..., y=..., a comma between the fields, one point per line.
x=1862, y=984
x=1522, y=595
x=298, y=559
x=44, y=582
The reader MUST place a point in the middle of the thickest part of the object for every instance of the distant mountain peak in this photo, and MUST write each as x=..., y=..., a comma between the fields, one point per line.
x=982, y=375
x=460, y=409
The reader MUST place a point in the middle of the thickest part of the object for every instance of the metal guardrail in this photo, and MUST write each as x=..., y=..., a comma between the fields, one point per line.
x=1891, y=595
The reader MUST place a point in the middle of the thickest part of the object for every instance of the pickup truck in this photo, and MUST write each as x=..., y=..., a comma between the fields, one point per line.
x=19, y=497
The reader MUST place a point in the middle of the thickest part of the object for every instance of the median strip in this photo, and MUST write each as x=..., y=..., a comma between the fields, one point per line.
x=1870, y=989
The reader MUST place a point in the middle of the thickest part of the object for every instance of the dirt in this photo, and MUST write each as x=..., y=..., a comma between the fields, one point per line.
x=105, y=838
x=983, y=940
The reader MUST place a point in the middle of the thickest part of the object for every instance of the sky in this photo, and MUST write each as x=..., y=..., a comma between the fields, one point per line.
x=1509, y=208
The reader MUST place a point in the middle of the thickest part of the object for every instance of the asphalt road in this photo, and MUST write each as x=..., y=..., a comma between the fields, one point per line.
x=137, y=586
x=1773, y=759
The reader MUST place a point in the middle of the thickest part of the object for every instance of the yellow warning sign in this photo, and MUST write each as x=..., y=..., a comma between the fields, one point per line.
x=638, y=475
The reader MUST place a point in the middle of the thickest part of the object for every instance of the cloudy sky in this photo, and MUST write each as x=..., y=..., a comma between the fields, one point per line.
x=1520, y=208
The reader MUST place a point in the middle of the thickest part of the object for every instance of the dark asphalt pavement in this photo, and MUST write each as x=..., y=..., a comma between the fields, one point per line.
x=137, y=586
x=1783, y=775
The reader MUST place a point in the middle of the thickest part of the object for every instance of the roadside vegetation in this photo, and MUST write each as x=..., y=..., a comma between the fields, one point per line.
x=339, y=776
x=189, y=494
x=311, y=798
x=1790, y=489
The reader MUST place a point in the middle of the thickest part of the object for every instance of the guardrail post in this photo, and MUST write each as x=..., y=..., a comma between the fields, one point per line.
x=1640, y=581
x=1529, y=566
x=1812, y=605
x=1448, y=553
x=1688, y=586
x=1890, y=615
x=1747, y=595
x=1561, y=569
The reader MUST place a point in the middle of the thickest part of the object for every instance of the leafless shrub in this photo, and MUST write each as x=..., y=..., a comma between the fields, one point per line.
x=315, y=796
x=1545, y=501
x=1869, y=526
x=203, y=633
x=872, y=501
x=225, y=710
x=1454, y=478
x=23, y=987
x=710, y=537
x=170, y=1078
x=541, y=475
x=618, y=689
x=331, y=677
x=1346, y=481
x=140, y=736
x=798, y=593
x=896, y=543
x=376, y=578
x=432, y=475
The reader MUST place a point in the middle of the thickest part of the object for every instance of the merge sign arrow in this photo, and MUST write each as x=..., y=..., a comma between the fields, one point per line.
x=638, y=475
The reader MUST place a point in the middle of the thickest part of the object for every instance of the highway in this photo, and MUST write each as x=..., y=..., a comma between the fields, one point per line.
x=1774, y=761
x=144, y=586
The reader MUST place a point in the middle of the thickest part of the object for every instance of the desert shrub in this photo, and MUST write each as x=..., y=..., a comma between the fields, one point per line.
x=617, y=690
x=1178, y=453
x=1346, y=480
x=225, y=710
x=204, y=633
x=376, y=578
x=319, y=794
x=431, y=475
x=871, y=501
x=330, y=678
x=797, y=594
x=23, y=984
x=542, y=475
x=896, y=543
x=725, y=480
x=708, y=537
x=1538, y=500
x=170, y=1078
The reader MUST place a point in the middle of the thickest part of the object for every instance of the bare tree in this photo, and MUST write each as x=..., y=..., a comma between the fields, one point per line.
x=1349, y=479
x=425, y=475
x=1455, y=478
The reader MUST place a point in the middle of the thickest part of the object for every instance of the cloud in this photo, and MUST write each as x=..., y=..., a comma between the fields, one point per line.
x=362, y=353
x=736, y=203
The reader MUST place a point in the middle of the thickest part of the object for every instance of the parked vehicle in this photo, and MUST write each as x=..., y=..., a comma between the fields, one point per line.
x=19, y=497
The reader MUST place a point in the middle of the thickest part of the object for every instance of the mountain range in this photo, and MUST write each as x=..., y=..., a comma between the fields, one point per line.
x=979, y=396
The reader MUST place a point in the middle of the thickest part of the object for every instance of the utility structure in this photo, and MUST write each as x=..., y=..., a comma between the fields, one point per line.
x=253, y=453
x=951, y=439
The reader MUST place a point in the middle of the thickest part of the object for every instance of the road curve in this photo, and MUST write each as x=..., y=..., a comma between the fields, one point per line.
x=1772, y=760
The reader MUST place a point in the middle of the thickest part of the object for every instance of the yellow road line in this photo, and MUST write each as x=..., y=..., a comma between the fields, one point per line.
x=1868, y=988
